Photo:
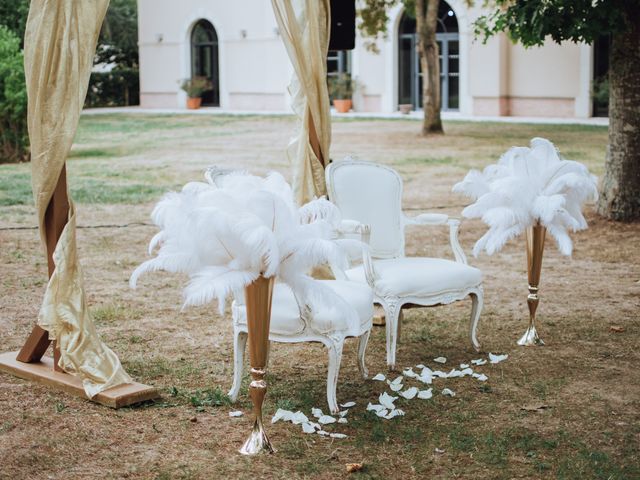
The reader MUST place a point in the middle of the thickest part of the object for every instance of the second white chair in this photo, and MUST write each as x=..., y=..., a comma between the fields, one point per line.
x=372, y=194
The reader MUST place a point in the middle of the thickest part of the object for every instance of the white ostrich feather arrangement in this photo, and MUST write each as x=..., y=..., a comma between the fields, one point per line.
x=226, y=233
x=527, y=186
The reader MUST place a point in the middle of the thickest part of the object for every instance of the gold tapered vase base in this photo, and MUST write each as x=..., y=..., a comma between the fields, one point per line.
x=530, y=338
x=258, y=442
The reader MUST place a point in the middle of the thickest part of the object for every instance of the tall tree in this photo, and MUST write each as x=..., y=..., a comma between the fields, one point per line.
x=374, y=20
x=530, y=22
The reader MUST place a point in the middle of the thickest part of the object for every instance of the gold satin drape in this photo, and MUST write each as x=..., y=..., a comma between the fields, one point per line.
x=305, y=28
x=60, y=43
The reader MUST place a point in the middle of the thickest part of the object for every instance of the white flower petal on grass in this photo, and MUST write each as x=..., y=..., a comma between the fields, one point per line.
x=439, y=373
x=464, y=365
x=467, y=371
x=236, y=413
x=348, y=404
x=420, y=366
x=387, y=400
x=343, y=413
x=308, y=428
x=382, y=413
x=481, y=376
x=396, y=387
x=425, y=394
x=497, y=358
x=395, y=380
x=337, y=435
x=373, y=407
x=408, y=372
x=326, y=419
x=316, y=412
x=440, y=360
x=395, y=413
x=282, y=414
x=299, y=418
x=342, y=420
x=409, y=393
x=479, y=361
x=379, y=377
x=323, y=433
x=448, y=392
x=455, y=373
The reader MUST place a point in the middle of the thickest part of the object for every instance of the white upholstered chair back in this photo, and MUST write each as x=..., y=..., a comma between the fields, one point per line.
x=370, y=194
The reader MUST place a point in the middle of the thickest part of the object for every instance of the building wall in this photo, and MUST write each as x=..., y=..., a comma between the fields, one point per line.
x=496, y=78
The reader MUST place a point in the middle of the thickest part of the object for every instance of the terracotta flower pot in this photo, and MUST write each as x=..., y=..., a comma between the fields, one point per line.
x=194, y=103
x=342, y=106
x=405, y=108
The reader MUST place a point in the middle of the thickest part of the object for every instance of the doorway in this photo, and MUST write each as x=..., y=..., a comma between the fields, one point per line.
x=204, y=60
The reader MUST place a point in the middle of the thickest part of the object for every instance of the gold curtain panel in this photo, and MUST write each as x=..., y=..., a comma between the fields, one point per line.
x=305, y=27
x=60, y=43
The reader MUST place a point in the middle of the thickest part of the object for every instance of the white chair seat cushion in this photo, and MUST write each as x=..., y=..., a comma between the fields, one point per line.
x=418, y=276
x=285, y=314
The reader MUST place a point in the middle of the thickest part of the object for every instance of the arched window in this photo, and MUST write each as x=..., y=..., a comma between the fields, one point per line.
x=204, y=59
x=409, y=70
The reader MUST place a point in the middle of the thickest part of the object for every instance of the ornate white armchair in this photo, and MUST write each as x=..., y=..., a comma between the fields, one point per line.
x=292, y=321
x=372, y=194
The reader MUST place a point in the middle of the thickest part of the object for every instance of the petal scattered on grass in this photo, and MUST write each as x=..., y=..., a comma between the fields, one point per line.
x=425, y=394
x=382, y=413
x=316, y=412
x=343, y=420
x=308, y=428
x=481, y=377
x=326, y=419
x=464, y=365
x=387, y=400
x=374, y=407
x=467, y=371
x=440, y=360
x=299, y=418
x=236, y=413
x=439, y=373
x=282, y=414
x=337, y=435
x=448, y=392
x=497, y=358
x=379, y=377
x=408, y=372
x=348, y=404
x=396, y=387
x=479, y=361
x=409, y=393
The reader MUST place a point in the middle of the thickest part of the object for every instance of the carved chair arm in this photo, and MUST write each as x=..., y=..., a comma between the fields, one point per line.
x=350, y=228
x=442, y=219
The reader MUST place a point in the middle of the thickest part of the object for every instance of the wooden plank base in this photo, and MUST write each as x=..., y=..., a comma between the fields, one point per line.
x=43, y=372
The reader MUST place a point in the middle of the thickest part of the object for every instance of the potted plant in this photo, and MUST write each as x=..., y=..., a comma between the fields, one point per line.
x=341, y=89
x=195, y=87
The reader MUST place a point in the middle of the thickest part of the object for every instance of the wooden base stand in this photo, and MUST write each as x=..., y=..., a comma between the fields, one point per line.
x=43, y=372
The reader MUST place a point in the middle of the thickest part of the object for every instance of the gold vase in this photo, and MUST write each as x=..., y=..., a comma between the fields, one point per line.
x=258, y=297
x=535, y=247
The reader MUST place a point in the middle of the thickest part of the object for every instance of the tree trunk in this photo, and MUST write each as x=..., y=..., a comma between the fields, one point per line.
x=620, y=193
x=426, y=25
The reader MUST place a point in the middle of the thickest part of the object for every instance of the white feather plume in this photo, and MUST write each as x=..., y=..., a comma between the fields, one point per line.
x=225, y=234
x=527, y=186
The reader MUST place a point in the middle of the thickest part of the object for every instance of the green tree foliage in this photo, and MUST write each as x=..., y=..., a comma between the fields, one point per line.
x=531, y=22
x=119, y=35
x=13, y=15
x=13, y=99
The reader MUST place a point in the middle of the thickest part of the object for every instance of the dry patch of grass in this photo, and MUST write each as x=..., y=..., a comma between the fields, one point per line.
x=586, y=375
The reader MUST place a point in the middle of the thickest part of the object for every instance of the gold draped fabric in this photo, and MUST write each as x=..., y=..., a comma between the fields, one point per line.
x=305, y=27
x=60, y=43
